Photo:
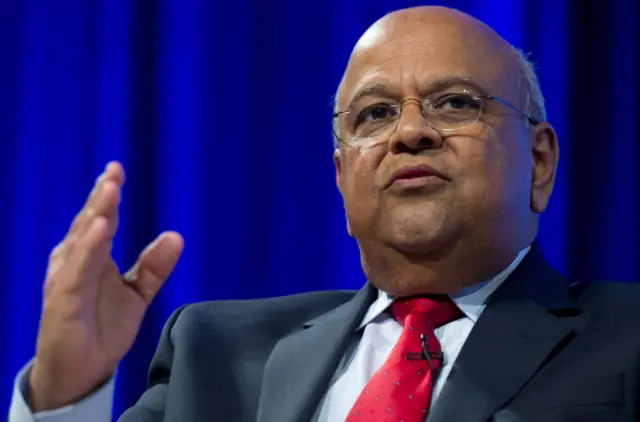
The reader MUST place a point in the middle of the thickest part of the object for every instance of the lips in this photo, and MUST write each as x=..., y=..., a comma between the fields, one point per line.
x=415, y=172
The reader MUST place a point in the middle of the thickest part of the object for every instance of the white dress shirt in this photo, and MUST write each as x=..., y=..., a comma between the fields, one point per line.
x=380, y=332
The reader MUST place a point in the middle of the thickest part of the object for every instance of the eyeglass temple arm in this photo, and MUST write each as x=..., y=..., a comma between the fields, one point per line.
x=514, y=108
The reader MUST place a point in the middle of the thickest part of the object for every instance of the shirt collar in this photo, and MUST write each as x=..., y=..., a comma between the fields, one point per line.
x=471, y=300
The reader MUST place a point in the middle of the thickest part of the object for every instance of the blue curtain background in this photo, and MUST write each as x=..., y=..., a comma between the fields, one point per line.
x=220, y=112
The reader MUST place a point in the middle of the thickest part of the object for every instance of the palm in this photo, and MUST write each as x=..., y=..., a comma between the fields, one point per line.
x=91, y=316
x=118, y=313
x=99, y=332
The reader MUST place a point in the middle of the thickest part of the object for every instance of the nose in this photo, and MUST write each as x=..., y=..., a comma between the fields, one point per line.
x=414, y=133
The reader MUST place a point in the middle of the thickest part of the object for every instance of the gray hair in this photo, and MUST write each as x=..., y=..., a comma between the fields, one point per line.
x=533, y=100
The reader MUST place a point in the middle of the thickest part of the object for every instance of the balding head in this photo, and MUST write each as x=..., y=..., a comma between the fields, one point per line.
x=433, y=28
x=434, y=95
x=429, y=24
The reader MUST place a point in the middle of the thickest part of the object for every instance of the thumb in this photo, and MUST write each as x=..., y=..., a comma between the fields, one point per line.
x=155, y=264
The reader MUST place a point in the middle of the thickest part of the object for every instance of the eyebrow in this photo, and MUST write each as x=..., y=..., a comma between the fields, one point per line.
x=388, y=91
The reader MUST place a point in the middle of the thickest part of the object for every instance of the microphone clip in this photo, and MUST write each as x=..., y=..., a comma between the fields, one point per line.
x=426, y=354
x=439, y=356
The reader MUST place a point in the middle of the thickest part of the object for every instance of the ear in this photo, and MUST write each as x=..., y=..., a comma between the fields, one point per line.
x=546, y=154
x=337, y=161
x=340, y=183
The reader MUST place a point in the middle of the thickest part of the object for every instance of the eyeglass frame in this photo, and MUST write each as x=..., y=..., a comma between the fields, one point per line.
x=532, y=120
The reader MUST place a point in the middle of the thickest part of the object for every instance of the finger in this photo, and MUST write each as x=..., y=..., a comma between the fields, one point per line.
x=155, y=264
x=55, y=258
x=106, y=206
x=113, y=174
x=56, y=252
x=108, y=201
x=91, y=253
x=115, y=171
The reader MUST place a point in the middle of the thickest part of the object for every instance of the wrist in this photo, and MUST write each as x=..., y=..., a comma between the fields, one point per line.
x=44, y=395
x=46, y=391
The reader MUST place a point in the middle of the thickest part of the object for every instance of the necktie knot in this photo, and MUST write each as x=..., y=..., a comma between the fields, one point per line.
x=437, y=310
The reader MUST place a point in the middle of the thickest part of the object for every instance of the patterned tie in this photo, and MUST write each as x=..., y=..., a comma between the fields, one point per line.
x=400, y=391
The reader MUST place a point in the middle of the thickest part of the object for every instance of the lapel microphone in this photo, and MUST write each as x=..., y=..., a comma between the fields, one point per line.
x=425, y=354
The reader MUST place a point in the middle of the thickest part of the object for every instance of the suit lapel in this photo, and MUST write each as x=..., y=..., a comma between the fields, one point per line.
x=298, y=372
x=516, y=334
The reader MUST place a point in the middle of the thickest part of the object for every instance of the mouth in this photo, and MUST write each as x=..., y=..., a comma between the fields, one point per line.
x=416, y=177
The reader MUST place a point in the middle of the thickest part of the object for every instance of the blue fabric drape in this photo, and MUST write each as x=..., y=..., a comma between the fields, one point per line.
x=220, y=112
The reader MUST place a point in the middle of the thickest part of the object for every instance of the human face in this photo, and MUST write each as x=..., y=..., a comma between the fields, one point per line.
x=466, y=189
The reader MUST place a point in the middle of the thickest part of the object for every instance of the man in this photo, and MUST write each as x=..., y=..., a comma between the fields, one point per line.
x=444, y=163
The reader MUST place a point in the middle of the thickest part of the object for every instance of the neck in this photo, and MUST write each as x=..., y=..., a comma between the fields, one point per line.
x=447, y=272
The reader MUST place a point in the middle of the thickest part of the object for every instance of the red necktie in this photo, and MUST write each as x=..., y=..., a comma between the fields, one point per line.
x=400, y=391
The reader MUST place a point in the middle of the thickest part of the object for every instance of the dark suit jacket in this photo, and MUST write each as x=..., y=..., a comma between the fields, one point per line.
x=541, y=351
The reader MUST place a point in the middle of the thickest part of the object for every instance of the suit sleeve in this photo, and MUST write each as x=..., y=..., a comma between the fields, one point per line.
x=150, y=407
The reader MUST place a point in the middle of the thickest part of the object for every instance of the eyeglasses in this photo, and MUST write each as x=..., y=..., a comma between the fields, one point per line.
x=445, y=111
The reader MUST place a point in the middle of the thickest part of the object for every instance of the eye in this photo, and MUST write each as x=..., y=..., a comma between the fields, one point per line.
x=456, y=102
x=375, y=112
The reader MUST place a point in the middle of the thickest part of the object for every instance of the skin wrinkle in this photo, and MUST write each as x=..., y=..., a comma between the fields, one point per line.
x=387, y=91
x=445, y=236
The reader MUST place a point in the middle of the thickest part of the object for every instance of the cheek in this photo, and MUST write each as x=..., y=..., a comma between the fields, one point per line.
x=492, y=173
x=360, y=185
x=361, y=169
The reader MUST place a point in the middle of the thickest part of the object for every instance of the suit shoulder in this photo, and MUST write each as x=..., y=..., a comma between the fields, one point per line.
x=283, y=310
x=617, y=295
x=329, y=298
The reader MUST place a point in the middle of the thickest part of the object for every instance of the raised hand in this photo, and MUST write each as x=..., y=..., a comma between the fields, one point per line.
x=91, y=312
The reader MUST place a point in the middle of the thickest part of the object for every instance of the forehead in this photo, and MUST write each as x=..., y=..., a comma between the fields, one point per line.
x=413, y=55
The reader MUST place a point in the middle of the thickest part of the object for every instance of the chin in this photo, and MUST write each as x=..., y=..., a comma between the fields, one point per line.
x=414, y=226
x=417, y=239
x=414, y=246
